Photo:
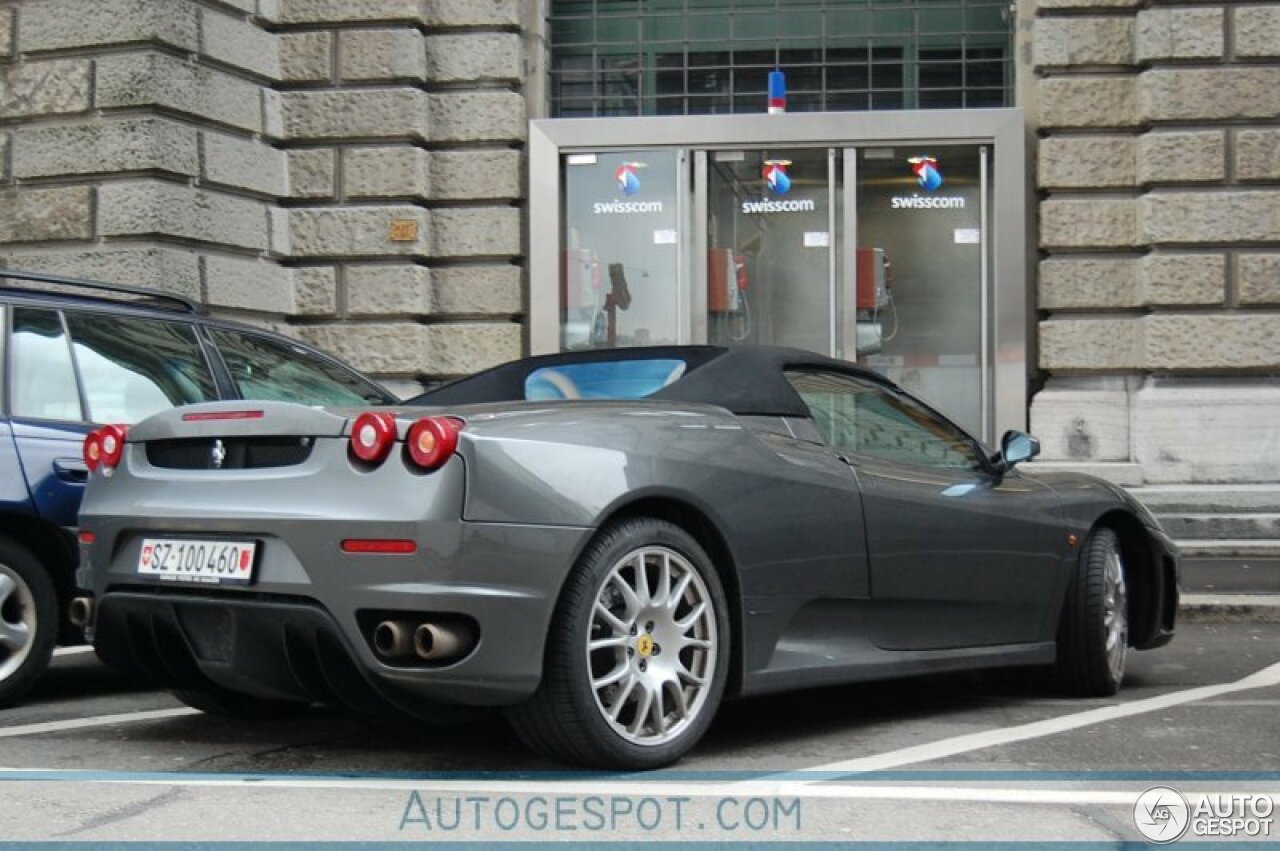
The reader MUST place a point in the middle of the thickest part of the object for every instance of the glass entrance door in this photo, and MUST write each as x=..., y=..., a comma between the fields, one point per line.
x=916, y=311
x=769, y=243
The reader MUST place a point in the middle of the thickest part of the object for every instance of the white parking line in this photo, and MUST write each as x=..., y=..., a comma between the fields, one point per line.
x=1269, y=676
x=72, y=651
x=95, y=721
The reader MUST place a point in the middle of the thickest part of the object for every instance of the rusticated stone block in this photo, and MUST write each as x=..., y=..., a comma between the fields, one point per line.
x=1182, y=157
x=1091, y=344
x=1083, y=41
x=389, y=54
x=1257, y=155
x=1087, y=4
x=36, y=215
x=1082, y=418
x=272, y=115
x=355, y=231
x=1070, y=282
x=316, y=290
x=1187, y=94
x=4, y=156
x=261, y=285
x=466, y=348
x=388, y=290
x=1081, y=101
x=476, y=232
x=463, y=175
x=1087, y=161
x=278, y=236
x=345, y=11
x=170, y=269
x=1194, y=431
x=1180, y=33
x=477, y=117
x=1258, y=279
x=6, y=33
x=311, y=173
x=478, y=56
x=158, y=208
x=400, y=171
x=156, y=79
x=239, y=43
x=386, y=113
x=1093, y=223
x=378, y=348
x=62, y=24
x=473, y=13
x=105, y=145
x=244, y=163
x=1228, y=217
x=306, y=56
x=1256, y=31
x=1205, y=341
x=477, y=290
x=44, y=88
x=1184, y=279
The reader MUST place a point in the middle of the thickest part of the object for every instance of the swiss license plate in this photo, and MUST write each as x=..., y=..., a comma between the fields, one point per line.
x=191, y=560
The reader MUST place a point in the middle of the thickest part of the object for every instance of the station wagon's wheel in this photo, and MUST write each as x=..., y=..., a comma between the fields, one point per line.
x=28, y=620
x=637, y=654
x=1093, y=638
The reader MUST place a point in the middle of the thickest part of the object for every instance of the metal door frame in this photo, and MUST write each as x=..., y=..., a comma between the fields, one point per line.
x=1002, y=132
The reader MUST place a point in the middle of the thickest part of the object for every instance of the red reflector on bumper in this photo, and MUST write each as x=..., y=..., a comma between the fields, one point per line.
x=379, y=546
x=87, y=537
x=203, y=416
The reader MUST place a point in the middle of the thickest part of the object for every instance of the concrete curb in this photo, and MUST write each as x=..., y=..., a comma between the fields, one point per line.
x=1229, y=608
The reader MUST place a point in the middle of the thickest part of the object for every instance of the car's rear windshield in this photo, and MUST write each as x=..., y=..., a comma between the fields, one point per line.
x=620, y=379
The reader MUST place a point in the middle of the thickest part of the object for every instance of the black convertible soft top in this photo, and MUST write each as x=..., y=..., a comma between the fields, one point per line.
x=747, y=380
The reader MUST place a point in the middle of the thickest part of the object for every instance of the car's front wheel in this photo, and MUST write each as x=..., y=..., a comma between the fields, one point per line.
x=28, y=620
x=637, y=654
x=1093, y=638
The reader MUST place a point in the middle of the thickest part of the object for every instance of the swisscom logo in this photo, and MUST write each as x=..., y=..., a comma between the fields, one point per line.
x=778, y=182
x=628, y=183
x=928, y=178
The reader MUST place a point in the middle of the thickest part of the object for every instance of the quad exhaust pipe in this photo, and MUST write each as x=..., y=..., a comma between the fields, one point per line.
x=401, y=640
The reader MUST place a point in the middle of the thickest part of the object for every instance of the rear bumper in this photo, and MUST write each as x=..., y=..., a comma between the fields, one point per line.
x=310, y=638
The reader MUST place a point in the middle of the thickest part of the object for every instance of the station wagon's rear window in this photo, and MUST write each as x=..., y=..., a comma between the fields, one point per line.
x=619, y=379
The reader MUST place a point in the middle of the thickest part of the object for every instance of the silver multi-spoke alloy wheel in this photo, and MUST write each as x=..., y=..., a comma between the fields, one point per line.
x=17, y=621
x=652, y=645
x=1115, y=618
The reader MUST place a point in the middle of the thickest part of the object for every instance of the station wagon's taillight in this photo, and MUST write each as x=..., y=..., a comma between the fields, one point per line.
x=431, y=441
x=103, y=447
x=372, y=436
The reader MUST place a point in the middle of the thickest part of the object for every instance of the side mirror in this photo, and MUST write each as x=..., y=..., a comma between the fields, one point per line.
x=1016, y=447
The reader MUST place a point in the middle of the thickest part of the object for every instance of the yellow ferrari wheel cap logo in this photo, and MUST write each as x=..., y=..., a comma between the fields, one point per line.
x=644, y=645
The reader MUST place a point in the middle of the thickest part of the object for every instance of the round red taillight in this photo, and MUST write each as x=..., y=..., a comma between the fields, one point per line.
x=372, y=436
x=432, y=441
x=93, y=450
x=111, y=444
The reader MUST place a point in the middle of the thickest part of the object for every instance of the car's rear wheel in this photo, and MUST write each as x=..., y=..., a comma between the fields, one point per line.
x=28, y=620
x=1093, y=638
x=637, y=654
x=231, y=704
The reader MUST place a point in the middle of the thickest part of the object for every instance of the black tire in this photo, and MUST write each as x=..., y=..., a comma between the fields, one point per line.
x=563, y=720
x=1085, y=667
x=225, y=703
x=29, y=603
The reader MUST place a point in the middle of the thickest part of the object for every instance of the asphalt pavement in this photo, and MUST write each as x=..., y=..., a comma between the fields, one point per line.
x=995, y=756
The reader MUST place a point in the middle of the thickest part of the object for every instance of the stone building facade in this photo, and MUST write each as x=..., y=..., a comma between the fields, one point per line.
x=352, y=166
x=352, y=171
x=1159, y=236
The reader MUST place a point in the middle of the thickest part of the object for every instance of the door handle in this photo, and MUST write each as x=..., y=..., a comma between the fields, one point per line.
x=71, y=470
